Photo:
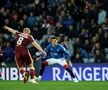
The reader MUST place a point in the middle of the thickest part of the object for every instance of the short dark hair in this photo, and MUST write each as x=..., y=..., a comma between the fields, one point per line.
x=54, y=37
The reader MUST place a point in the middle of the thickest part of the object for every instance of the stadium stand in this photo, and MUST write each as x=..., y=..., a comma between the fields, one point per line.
x=80, y=25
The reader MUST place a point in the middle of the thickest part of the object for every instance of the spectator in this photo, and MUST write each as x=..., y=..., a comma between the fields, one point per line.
x=31, y=20
x=99, y=57
x=101, y=16
x=8, y=53
x=86, y=19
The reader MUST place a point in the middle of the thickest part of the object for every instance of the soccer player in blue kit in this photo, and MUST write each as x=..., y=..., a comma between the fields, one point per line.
x=57, y=54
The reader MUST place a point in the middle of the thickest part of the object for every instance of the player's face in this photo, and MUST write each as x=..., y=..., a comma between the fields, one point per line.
x=54, y=42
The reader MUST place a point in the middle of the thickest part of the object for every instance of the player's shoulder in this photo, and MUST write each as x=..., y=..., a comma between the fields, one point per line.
x=30, y=36
x=60, y=45
x=26, y=36
x=17, y=34
x=49, y=45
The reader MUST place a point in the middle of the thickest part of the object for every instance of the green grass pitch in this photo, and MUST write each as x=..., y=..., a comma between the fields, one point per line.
x=53, y=85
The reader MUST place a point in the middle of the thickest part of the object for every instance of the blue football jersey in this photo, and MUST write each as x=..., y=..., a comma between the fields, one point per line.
x=57, y=52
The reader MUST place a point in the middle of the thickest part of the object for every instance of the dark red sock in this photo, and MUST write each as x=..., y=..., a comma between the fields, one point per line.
x=32, y=73
x=22, y=71
x=0, y=74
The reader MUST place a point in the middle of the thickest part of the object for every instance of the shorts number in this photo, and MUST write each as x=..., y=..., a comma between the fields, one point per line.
x=20, y=39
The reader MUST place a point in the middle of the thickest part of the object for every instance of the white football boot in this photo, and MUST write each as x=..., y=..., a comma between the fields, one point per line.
x=33, y=81
x=38, y=78
x=75, y=80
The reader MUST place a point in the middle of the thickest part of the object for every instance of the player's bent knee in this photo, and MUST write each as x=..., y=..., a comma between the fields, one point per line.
x=21, y=68
x=30, y=65
x=66, y=66
x=32, y=68
x=45, y=63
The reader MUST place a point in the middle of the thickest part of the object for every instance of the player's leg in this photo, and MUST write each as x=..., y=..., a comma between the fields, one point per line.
x=65, y=65
x=24, y=73
x=71, y=73
x=32, y=73
x=43, y=65
x=29, y=62
x=47, y=62
x=20, y=63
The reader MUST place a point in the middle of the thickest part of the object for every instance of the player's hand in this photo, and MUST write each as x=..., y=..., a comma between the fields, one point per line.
x=37, y=59
x=44, y=54
x=5, y=27
x=70, y=63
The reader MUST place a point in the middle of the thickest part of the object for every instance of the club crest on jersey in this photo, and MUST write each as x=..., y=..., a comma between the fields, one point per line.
x=58, y=50
x=51, y=49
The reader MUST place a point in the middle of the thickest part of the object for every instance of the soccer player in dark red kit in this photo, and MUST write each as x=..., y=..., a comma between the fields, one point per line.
x=22, y=54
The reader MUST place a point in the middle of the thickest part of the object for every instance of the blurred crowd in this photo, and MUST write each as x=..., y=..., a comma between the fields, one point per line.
x=80, y=25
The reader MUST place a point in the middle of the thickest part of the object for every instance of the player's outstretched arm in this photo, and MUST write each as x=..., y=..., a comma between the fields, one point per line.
x=9, y=29
x=39, y=48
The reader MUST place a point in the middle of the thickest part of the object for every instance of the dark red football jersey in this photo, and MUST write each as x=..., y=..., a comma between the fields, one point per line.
x=22, y=40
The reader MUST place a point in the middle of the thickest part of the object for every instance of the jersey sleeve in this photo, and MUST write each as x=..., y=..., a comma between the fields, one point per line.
x=66, y=52
x=17, y=33
x=47, y=49
x=31, y=39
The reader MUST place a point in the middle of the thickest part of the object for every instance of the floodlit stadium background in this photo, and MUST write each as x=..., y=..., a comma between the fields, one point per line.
x=80, y=25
